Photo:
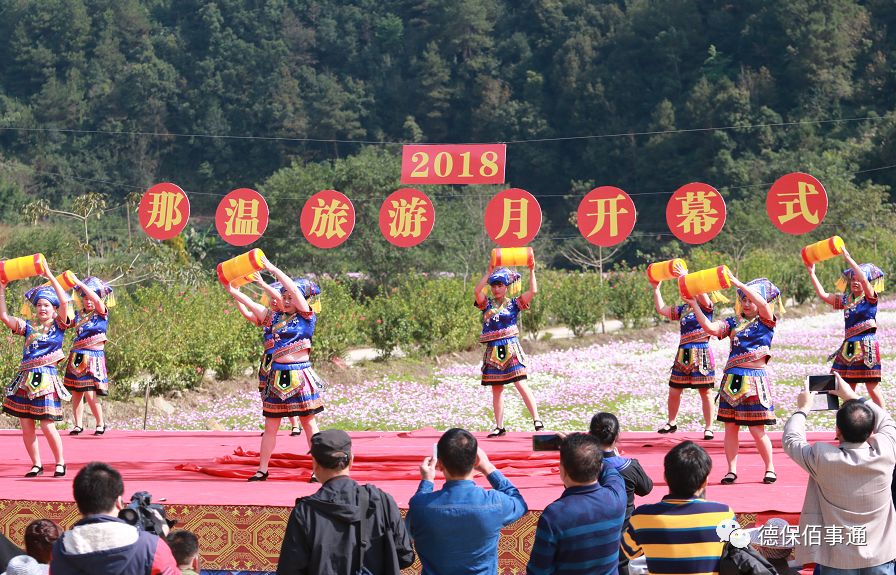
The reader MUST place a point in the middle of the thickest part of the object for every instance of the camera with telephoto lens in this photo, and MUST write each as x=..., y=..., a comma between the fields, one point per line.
x=139, y=513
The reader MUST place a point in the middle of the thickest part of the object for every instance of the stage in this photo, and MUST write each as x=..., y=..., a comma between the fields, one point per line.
x=200, y=477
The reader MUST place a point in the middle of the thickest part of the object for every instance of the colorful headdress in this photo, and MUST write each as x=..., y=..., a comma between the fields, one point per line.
x=766, y=289
x=99, y=287
x=34, y=294
x=873, y=274
x=310, y=290
x=509, y=278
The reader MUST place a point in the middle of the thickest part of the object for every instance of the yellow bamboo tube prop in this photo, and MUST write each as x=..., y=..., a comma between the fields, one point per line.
x=704, y=281
x=240, y=282
x=823, y=250
x=240, y=266
x=666, y=270
x=66, y=279
x=513, y=257
x=22, y=267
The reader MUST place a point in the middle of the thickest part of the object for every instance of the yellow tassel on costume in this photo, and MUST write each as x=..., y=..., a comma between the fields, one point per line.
x=315, y=304
x=878, y=285
x=718, y=297
x=110, y=300
x=25, y=310
x=515, y=289
x=70, y=313
x=781, y=304
x=737, y=307
x=77, y=300
x=840, y=284
x=265, y=300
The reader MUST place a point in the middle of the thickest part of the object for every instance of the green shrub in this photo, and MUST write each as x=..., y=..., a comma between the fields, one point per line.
x=577, y=301
x=340, y=324
x=630, y=296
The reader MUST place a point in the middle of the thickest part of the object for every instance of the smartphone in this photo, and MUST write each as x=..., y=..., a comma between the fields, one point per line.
x=435, y=451
x=822, y=382
x=546, y=442
x=824, y=401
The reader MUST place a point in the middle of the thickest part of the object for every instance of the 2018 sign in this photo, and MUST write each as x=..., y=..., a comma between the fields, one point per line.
x=453, y=164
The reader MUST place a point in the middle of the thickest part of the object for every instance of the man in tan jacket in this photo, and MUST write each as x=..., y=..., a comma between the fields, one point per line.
x=848, y=521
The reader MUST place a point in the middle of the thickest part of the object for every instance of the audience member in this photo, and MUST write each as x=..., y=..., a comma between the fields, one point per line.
x=456, y=528
x=678, y=535
x=605, y=427
x=579, y=533
x=40, y=535
x=8, y=550
x=344, y=528
x=185, y=548
x=101, y=543
x=849, y=486
x=25, y=565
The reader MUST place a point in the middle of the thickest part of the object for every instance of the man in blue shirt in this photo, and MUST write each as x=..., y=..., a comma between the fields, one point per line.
x=456, y=529
x=578, y=534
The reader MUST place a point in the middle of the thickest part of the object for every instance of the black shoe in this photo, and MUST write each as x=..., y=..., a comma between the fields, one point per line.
x=708, y=435
x=498, y=432
x=35, y=471
x=296, y=431
x=100, y=429
x=770, y=477
x=259, y=476
x=668, y=428
x=60, y=470
x=76, y=430
x=538, y=425
x=729, y=478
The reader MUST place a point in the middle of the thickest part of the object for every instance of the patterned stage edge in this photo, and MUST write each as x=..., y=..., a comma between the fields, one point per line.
x=238, y=539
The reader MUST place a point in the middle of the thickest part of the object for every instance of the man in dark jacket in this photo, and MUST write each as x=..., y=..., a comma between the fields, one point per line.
x=325, y=529
x=101, y=543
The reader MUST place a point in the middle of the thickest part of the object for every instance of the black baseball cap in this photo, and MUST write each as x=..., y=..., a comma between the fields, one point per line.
x=331, y=444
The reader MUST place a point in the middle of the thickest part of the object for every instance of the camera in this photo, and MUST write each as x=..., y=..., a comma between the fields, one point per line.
x=546, y=442
x=139, y=513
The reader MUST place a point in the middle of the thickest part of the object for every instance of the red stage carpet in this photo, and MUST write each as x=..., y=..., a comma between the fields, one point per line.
x=200, y=477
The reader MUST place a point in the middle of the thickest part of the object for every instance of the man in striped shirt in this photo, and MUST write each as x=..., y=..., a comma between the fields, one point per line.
x=578, y=534
x=678, y=535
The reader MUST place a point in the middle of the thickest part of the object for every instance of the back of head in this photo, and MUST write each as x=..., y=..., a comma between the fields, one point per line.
x=855, y=420
x=96, y=488
x=332, y=449
x=39, y=538
x=581, y=457
x=686, y=468
x=24, y=565
x=184, y=546
x=605, y=427
x=457, y=451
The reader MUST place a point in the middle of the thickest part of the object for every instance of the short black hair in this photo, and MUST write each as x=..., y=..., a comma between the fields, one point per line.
x=855, y=420
x=605, y=427
x=686, y=467
x=39, y=538
x=457, y=451
x=184, y=545
x=97, y=487
x=581, y=457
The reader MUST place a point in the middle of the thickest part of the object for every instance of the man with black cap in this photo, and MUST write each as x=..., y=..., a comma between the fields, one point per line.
x=345, y=528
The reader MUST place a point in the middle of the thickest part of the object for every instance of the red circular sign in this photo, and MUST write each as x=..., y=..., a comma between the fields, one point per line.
x=163, y=211
x=512, y=218
x=797, y=203
x=606, y=216
x=241, y=217
x=407, y=217
x=696, y=213
x=328, y=218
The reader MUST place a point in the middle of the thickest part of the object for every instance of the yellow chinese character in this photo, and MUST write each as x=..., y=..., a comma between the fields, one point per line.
x=164, y=211
x=804, y=189
x=329, y=219
x=407, y=217
x=607, y=209
x=696, y=212
x=242, y=217
x=515, y=211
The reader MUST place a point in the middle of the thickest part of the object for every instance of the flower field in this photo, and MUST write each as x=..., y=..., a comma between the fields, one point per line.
x=628, y=378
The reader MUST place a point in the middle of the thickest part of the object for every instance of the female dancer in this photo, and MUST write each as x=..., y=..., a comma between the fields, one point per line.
x=85, y=372
x=694, y=366
x=858, y=358
x=272, y=295
x=745, y=394
x=36, y=392
x=504, y=360
x=292, y=387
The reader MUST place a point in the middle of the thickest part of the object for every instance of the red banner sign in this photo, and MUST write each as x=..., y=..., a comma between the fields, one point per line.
x=163, y=211
x=328, y=218
x=241, y=217
x=407, y=217
x=606, y=216
x=453, y=164
x=512, y=218
x=796, y=203
x=696, y=213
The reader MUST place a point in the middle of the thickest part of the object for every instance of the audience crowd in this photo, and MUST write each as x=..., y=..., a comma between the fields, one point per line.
x=593, y=527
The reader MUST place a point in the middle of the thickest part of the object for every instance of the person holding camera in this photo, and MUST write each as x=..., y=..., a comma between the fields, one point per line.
x=849, y=484
x=101, y=543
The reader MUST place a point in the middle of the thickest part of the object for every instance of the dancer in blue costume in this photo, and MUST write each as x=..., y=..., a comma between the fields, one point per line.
x=857, y=360
x=272, y=303
x=744, y=394
x=292, y=386
x=694, y=366
x=504, y=360
x=36, y=393
x=86, y=376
